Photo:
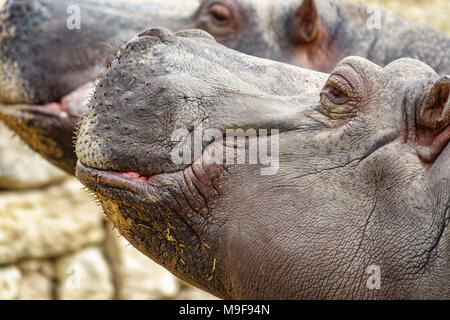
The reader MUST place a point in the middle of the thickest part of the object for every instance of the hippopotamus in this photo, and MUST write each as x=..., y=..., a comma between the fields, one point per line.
x=315, y=34
x=357, y=208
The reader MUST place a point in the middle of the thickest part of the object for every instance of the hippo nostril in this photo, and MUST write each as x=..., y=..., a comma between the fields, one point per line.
x=164, y=34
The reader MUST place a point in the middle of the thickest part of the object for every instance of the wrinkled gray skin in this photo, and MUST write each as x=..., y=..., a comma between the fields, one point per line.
x=41, y=60
x=363, y=178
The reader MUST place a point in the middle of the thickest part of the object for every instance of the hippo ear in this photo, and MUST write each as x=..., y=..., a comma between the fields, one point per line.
x=306, y=22
x=435, y=113
x=433, y=120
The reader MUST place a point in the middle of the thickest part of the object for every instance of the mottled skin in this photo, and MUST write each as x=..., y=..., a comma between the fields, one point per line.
x=41, y=60
x=363, y=180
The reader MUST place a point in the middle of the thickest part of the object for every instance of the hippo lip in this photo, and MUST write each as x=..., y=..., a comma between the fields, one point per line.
x=148, y=186
x=52, y=110
x=131, y=181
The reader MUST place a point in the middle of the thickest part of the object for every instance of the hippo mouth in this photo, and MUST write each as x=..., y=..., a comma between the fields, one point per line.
x=143, y=186
x=49, y=128
x=197, y=182
x=54, y=112
x=64, y=114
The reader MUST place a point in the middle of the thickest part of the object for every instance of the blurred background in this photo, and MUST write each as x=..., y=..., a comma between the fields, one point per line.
x=54, y=240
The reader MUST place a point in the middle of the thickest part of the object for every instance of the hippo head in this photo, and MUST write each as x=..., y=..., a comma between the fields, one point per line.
x=47, y=56
x=361, y=185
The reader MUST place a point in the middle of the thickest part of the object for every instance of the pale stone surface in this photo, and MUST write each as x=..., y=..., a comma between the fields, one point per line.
x=191, y=293
x=20, y=167
x=10, y=279
x=37, y=280
x=48, y=223
x=84, y=275
x=137, y=276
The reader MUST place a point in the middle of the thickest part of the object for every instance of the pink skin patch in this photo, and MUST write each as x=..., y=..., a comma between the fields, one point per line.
x=54, y=106
x=76, y=102
x=134, y=176
x=73, y=104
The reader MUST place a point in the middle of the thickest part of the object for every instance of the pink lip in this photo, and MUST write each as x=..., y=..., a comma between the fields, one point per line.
x=131, y=181
x=54, y=106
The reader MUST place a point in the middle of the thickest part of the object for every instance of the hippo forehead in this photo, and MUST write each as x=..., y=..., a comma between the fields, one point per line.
x=407, y=68
x=212, y=64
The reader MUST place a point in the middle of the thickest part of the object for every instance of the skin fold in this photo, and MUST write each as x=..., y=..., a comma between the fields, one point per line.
x=363, y=179
x=42, y=60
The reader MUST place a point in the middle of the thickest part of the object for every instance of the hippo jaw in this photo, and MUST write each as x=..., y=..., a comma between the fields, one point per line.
x=351, y=191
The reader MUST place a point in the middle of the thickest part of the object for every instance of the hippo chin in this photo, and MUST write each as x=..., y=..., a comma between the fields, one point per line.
x=43, y=56
x=362, y=184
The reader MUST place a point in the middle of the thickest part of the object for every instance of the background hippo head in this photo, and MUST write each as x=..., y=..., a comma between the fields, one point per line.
x=50, y=48
x=358, y=206
x=44, y=56
x=316, y=34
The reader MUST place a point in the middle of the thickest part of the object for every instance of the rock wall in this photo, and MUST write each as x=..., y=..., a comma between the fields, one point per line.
x=56, y=244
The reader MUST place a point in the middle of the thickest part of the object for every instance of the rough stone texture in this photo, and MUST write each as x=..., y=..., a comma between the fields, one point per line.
x=37, y=280
x=10, y=278
x=191, y=293
x=138, y=277
x=55, y=244
x=48, y=223
x=22, y=168
x=84, y=275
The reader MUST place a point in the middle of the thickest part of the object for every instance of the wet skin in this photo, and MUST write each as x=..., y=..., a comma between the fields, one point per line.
x=363, y=178
x=41, y=60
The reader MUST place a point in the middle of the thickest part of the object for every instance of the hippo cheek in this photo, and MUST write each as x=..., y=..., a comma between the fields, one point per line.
x=165, y=215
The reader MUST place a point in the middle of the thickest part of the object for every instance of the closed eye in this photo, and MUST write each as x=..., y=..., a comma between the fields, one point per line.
x=220, y=13
x=336, y=95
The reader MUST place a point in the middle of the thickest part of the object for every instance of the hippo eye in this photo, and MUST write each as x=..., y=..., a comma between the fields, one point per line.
x=220, y=14
x=338, y=90
x=336, y=95
x=220, y=19
x=338, y=98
